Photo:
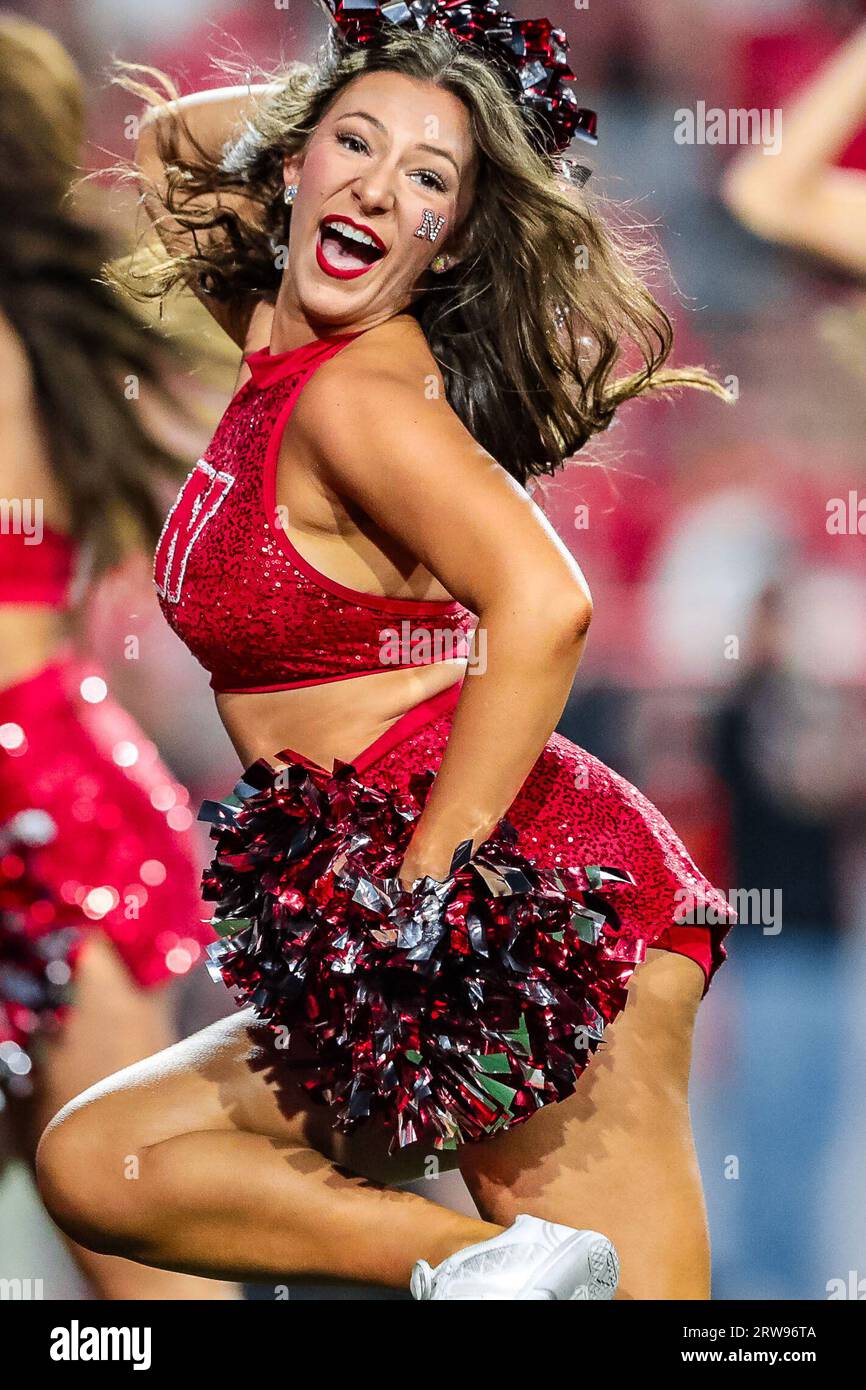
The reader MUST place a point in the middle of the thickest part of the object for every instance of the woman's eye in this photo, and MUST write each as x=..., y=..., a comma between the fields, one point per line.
x=356, y=143
x=345, y=138
x=436, y=182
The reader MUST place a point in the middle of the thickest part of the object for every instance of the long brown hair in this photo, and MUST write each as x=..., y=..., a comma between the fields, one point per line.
x=527, y=339
x=84, y=343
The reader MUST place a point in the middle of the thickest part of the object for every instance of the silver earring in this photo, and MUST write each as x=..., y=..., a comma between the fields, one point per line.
x=290, y=192
x=440, y=263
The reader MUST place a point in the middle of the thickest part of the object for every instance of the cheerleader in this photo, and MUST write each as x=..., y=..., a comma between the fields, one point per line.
x=99, y=906
x=459, y=939
x=801, y=197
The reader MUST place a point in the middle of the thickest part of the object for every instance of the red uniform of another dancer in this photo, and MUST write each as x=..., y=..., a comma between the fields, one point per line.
x=111, y=850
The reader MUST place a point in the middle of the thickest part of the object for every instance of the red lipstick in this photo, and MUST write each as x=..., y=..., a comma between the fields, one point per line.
x=346, y=273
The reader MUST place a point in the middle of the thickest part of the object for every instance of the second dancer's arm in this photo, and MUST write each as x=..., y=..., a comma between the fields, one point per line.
x=798, y=196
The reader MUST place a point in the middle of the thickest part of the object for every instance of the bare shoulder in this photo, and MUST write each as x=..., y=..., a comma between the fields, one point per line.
x=26, y=467
x=15, y=376
x=397, y=348
x=393, y=356
x=387, y=376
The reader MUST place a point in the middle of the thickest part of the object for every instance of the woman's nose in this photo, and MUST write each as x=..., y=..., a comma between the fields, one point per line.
x=375, y=191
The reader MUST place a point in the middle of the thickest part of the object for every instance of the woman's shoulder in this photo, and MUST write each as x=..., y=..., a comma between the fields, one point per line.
x=388, y=369
x=381, y=395
x=15, y=373
x=381, y=377
x=394, y=353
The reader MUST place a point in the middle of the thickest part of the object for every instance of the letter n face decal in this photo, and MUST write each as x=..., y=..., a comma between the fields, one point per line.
x=199, y=499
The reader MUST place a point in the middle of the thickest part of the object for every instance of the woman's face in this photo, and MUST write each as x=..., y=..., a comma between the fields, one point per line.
x=392, y=160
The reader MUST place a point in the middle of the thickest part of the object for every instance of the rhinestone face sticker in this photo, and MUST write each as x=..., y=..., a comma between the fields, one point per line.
x=429, y=227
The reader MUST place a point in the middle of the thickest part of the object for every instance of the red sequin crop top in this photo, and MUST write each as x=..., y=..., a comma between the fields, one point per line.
x=248, y=605
x=36, y=566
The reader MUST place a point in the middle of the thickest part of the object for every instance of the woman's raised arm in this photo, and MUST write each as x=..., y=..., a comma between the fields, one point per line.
x=415, y=469
x=210, y=118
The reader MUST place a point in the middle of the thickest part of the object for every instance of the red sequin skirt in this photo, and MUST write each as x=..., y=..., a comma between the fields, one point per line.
x=462, y=1007
x=571, y=802
x=95, y=835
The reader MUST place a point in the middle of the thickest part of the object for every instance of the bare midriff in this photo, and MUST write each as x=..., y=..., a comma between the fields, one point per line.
x=338, y=719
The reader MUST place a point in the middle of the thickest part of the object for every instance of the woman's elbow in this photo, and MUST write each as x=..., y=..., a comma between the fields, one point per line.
x=573, y=617
x=558, y=620
x=765, y=207
x=562, y=620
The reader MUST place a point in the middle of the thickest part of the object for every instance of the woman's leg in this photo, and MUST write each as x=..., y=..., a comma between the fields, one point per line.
x=618, y=1156
x=196, y=1160
x=113, y=1023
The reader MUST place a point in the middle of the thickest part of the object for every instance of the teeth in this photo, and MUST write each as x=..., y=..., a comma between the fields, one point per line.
x=352, y=233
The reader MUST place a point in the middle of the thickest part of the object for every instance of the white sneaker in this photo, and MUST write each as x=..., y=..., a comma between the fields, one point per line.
x=532, y=1259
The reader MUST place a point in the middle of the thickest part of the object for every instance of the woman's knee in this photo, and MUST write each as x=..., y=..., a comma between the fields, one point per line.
x=655, y=1032
x=86, y=1182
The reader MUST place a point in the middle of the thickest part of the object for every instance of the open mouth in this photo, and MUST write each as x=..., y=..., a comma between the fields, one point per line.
x=344, y=249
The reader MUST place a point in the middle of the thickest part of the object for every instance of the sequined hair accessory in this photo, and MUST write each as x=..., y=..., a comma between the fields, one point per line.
x=530, y=54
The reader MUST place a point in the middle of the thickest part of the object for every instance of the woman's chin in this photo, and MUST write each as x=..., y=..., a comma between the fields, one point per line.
x=330, y=296
x=340, y=305
x=329, y=301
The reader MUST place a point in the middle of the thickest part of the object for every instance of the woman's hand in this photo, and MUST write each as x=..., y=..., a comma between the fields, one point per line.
x=412, y=870
x=439, y=859
x=429, y=860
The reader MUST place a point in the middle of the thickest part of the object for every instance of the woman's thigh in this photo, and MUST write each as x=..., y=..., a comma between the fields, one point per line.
x=617, y=1155
x=232, y=1075
x=235, y=1075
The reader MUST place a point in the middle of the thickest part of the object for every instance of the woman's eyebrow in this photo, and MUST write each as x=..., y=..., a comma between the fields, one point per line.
x=431, y=149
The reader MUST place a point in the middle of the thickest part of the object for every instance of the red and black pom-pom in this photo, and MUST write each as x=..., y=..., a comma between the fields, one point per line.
x=530, y=54
x=448, y=1012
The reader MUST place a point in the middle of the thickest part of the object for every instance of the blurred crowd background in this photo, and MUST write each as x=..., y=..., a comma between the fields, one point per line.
x=724, y=669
